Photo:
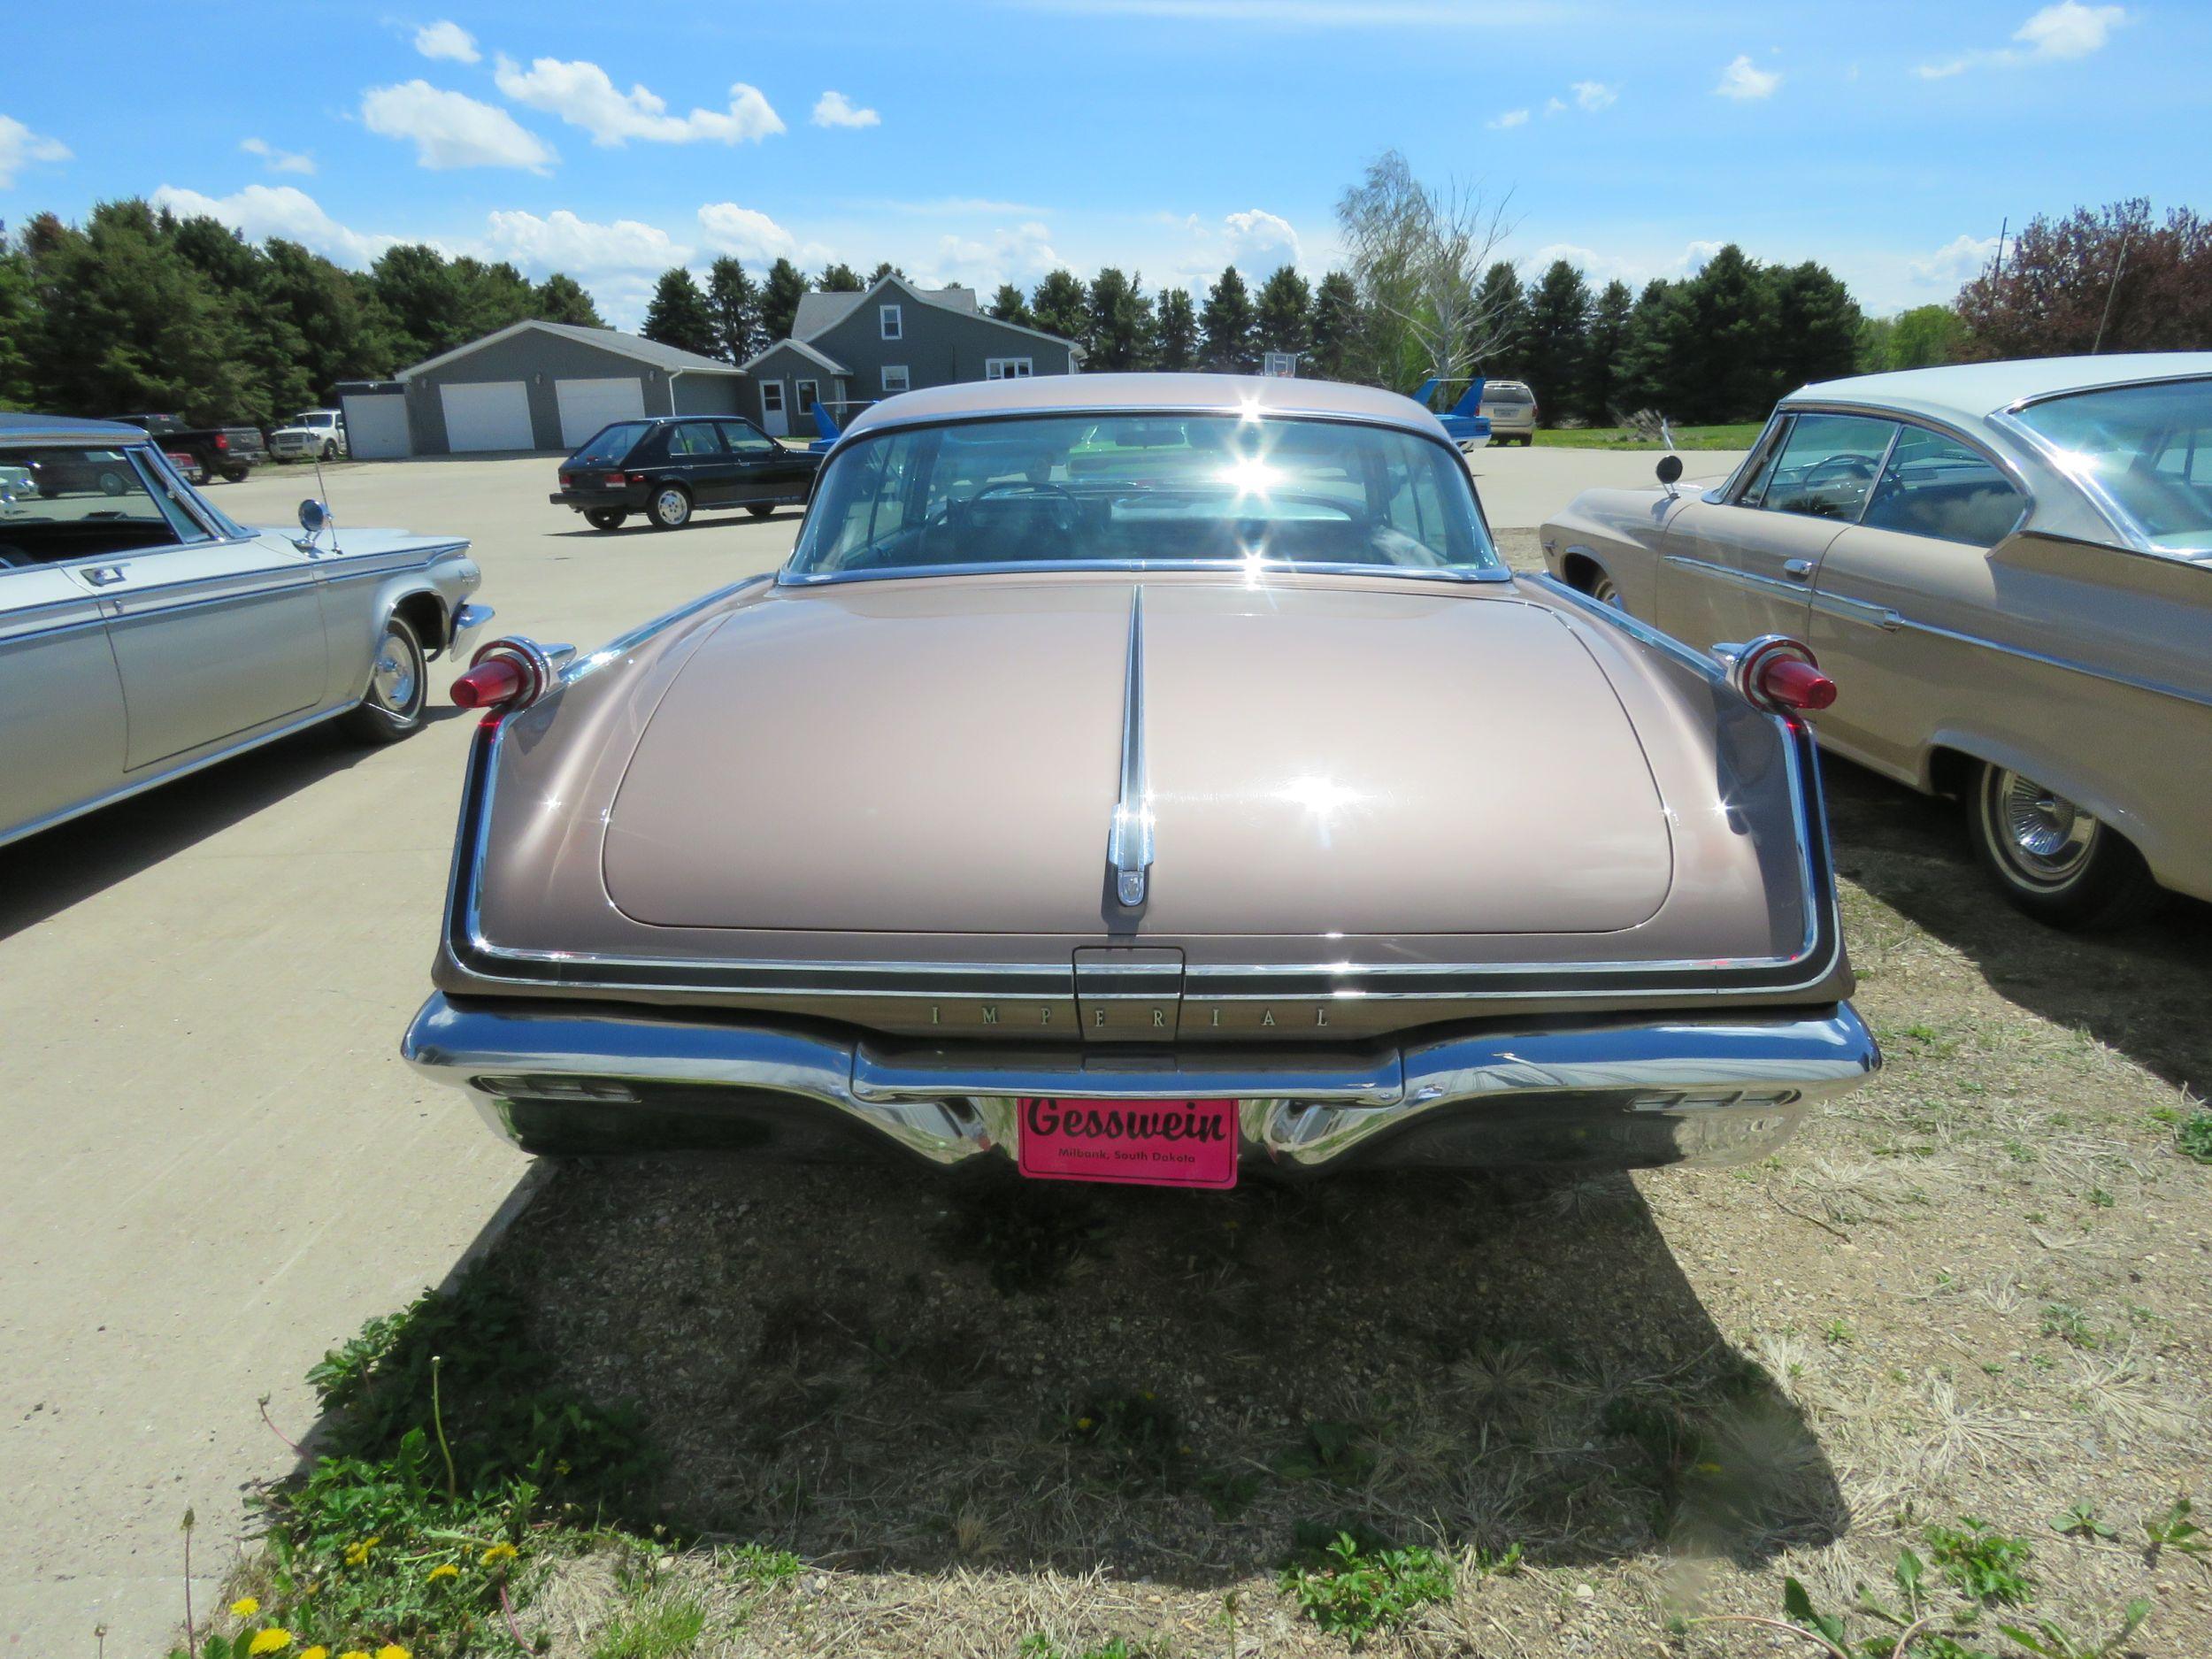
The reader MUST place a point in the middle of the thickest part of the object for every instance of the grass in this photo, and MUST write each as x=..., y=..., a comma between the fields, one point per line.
x=1723, y=437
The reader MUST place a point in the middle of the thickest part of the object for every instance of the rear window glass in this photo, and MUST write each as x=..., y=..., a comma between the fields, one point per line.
x=2144, y=451
x=1504, y=394
x=611, y=445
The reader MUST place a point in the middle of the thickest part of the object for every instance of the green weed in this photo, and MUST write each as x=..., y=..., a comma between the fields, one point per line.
x=1360, y=1591
x=1982, y=1562
x=659, y=1632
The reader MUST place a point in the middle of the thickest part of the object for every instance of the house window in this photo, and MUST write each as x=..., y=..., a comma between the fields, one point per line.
x=894, y=323
x=805, y=389
x=894, y=378
x=1008, y=368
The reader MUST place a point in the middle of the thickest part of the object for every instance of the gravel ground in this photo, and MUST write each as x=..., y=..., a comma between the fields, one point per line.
x=988, y=1415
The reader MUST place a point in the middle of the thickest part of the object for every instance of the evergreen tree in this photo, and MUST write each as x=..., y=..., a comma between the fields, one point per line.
x=1815, y=332
x=1336, y=328
x=345, y=334
x=275, y=352
x=1176, y=331
x=1726, y=365
x=1502, y=313
x=1284, y=321
x=1601, y=363
x=779, y=300
x=18, y=327
x=678, y=314
x=128, y=325
x=422, y=298
x=735, y=302
x=840, y=279
x=882, y=271
x=492, y=296
x=1008, y=306
x=1228, y=324
x=1061, y=306
x=1558, y=329
x=1650, y=375
x=561, y=298
x=1118, y=323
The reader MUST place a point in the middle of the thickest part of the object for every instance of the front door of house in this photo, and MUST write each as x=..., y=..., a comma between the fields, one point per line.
x=771, y=411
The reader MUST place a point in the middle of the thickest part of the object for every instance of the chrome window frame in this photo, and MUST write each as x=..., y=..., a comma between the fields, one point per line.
x=1497, y=572
x=2132, y=535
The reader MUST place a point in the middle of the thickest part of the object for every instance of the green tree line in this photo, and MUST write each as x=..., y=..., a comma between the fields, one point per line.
x=138, y=310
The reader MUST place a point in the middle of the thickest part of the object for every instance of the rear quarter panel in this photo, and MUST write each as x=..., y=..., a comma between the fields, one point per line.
x=1620, y=531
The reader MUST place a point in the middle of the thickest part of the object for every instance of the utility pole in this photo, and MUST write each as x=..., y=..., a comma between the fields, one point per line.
x=1997, y=271
x=2112, y=289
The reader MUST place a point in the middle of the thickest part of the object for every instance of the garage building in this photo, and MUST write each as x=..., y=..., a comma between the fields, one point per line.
x=550, y=386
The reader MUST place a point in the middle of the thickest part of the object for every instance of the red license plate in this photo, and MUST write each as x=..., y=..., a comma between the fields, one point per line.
x=1144, y=1143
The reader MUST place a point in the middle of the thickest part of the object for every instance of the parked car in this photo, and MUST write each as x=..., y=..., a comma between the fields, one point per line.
x=669, y=467
x=1463, y=422
x=1139, y=778
x=229, y=452
x=143, y=634
x=312, y=435
x=2007, y=569
x=1510, y=408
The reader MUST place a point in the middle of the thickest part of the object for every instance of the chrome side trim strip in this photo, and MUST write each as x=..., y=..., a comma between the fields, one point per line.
x=1129, y=840
x=2155, y=687
x=1634, y=627
x=1742, y=579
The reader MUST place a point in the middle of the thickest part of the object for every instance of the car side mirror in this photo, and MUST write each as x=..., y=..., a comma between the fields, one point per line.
x=1670, y=469
x=313, y=517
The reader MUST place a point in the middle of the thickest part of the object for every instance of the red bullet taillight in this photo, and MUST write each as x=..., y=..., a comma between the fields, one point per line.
x=1781, y=675
x=222, y=441
x=505, y=676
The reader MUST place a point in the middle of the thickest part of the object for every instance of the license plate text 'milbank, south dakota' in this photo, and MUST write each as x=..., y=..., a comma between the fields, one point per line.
x=1149, y=1143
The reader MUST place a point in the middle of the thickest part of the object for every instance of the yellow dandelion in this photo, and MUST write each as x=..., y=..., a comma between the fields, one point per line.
x=561, y=1468
x=392, y=1650
x=317, y=1651
x=245, y=1606
x=444, y=1570
x=353, y=1653
x=1082, y=1422
x=498, y=1553
x=274, y=1640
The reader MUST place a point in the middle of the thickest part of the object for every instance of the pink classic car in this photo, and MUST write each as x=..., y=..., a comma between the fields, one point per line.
x=1152, y=778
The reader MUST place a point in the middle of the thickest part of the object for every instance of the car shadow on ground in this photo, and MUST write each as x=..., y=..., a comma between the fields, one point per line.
x=876, y=1367
x=2141, y=990
x=44, y=874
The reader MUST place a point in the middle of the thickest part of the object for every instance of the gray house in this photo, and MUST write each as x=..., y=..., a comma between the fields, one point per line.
x=853, y=348
x=550, y=386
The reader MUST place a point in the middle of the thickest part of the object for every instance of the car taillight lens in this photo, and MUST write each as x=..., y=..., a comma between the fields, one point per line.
x=568, y=480
x=1780, y=675
x=505, y=676
x=221, y=442
x=616, y=481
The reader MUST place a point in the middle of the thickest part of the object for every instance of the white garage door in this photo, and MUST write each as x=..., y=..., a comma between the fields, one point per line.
x=587, y=405
x=494, y=415
x=376, y=426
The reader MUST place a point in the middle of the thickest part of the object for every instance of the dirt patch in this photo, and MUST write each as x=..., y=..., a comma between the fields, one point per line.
x=988, y=1414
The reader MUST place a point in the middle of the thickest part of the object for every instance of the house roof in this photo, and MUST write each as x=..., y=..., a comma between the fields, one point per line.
x=804, y=350
x=635, y=347
x=818, y=312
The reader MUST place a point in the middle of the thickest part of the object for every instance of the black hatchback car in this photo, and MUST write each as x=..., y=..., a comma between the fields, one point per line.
x=670, y=467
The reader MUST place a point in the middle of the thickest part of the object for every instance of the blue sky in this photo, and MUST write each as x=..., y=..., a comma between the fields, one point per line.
x=991, y=140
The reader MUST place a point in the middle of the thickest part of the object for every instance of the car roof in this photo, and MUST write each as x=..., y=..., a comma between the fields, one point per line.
x=1147, y=394
x=1971, y=391
x=63, y=429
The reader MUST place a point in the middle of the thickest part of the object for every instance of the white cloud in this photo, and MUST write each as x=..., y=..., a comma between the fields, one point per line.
x=450, y=130
x=745, y=232
x=278, y=160
x=561, y=242
x=447, y=40
x=582, y=94
x=1511, y=118
x=2069, y=30
x=1744, y=80
x=1260, y=238
x=263, y=211
x=18, y=144
x=2056, y=33
x=1955, y=264
x=1595, y=94
x=1020, y=255
x=834, y=109
x=1554, y=106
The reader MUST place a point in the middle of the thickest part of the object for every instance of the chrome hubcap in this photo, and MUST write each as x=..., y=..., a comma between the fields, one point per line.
x=1603, y=591
x=673, y=508
x=2043, y=834
x=393, y=681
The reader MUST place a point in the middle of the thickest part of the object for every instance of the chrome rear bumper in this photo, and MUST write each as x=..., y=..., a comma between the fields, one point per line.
x=569, y=1077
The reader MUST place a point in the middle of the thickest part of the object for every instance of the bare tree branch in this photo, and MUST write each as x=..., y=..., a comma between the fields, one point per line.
x=1418, y=253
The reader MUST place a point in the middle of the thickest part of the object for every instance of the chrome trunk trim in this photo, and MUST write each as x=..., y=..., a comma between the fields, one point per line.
x=1129, y=840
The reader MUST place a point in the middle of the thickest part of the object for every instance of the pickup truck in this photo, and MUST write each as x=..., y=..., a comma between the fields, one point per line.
x=228, y=452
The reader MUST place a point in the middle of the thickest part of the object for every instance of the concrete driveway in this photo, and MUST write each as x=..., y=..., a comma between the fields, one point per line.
x=215, y=1166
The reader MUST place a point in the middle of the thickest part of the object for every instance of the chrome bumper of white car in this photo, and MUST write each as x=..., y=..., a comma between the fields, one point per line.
x=559, y=1077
